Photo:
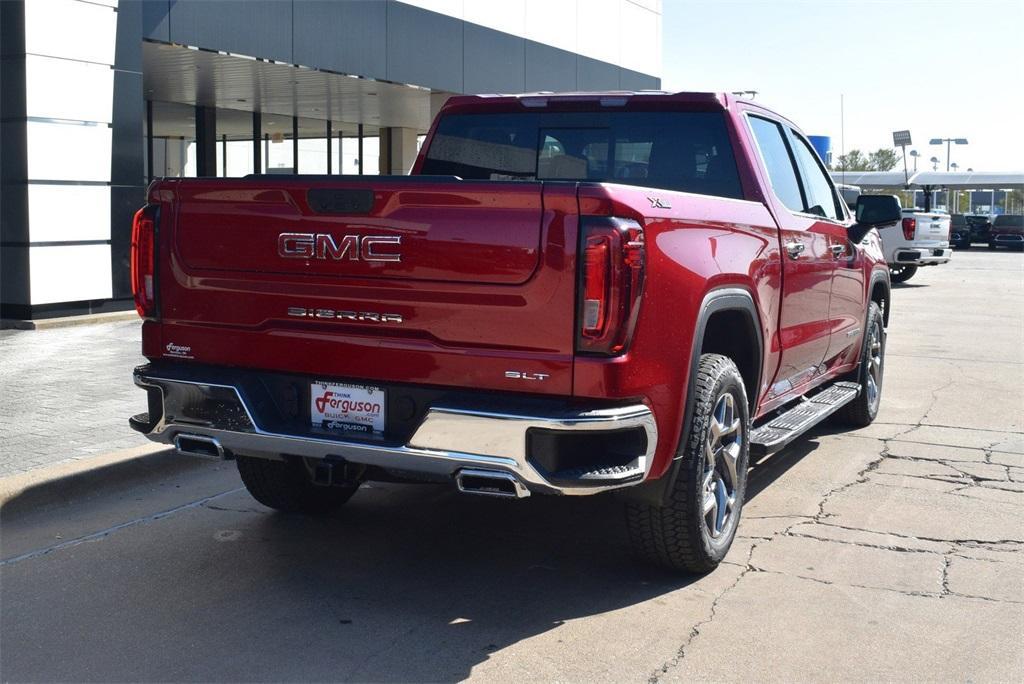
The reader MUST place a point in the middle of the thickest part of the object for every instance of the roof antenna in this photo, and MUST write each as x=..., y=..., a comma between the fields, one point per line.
x=752, y=94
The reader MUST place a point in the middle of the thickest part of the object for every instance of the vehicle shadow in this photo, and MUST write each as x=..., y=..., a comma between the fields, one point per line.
x=406, y=583
x=768, y=469
x=416, y=583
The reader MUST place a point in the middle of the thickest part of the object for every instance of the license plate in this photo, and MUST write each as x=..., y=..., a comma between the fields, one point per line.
x=346, y=408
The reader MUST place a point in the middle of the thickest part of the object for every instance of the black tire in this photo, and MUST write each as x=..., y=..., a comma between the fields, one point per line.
x=991, y=245
x=862, y=411
x=901, y=273
x=962, y=243
x=287, y=486
x=676, y=534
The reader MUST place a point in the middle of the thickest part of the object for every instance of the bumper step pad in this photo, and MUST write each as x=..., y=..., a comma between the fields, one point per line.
x=618, y=474
x=785, y=428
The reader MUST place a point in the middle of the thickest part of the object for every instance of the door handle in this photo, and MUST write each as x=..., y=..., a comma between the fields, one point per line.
x=795, y=249
x=838, y=250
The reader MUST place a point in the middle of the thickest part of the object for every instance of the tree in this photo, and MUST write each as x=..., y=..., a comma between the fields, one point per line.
x=879, y=160
x=1015, y=202
x=882, y=160
x=852, y=161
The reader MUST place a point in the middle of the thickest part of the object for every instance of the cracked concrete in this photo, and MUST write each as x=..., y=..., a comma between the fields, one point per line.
x=916, y=539
x=892, y=552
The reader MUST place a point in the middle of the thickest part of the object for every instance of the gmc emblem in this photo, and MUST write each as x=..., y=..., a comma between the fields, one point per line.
x=352, y=247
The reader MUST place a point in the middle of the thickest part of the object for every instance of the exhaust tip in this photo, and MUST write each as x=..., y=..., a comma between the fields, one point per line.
x=491, y=483
x=201, y=446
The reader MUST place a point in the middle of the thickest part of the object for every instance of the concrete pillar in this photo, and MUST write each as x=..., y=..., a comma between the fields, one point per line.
x=437, y=101
x=168, y=157
x=397, y=150
x=206, y=141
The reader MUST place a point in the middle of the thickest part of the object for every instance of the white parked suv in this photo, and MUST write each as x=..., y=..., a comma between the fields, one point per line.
x=920, y=239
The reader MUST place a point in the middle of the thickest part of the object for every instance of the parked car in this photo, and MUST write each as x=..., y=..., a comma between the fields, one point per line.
x=979, y=225
x=959, y=232
x=919, y=239
x=571, y=295
x=1007, y=231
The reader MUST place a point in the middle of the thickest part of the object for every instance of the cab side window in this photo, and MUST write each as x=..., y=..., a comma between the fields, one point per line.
x=821, y=198
x=777, y=160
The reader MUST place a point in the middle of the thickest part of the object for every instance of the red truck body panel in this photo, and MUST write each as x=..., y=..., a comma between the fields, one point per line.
x=225, y=293
x=488, y=280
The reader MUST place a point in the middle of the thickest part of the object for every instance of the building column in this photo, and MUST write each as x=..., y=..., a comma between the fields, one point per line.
x=397, y=150
x=437, y=101
x=15, y=296
x=206, y=141
x=81, y=152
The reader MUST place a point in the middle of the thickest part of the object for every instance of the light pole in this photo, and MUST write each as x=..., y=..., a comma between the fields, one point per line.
x=956, y=193
x=935, y=163
x=915, y=154
x=948, y=141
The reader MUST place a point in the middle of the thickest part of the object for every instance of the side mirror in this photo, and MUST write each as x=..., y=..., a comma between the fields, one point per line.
x=874, y=211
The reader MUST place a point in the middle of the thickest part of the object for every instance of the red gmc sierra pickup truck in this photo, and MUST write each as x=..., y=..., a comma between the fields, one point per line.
x=570, y=294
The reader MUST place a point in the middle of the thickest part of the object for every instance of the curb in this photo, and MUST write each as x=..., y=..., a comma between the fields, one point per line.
x=68, y=321
x=88, y=476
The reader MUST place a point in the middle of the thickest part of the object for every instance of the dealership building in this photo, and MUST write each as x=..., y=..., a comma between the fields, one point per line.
x=99, y=97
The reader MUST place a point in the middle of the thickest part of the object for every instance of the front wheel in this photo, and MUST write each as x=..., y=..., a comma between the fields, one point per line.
x=901, y=273
x=863, y=410
x=693, y=528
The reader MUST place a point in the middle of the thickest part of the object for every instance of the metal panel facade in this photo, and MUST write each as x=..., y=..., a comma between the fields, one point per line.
x=258, y=28
x=493, y=62
x=549, y=68
x=424, y=48
x=386, y=40
x=346, y=37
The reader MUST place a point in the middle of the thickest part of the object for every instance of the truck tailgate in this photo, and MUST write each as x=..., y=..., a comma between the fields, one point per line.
x=425, y=280
x=932, y=226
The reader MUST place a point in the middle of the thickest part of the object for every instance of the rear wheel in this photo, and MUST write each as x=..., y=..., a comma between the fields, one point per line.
x=862, y=411
x=288, y=486
x=693, y=528
x=901, y=273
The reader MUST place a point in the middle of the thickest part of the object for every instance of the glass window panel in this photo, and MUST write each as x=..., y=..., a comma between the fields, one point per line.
x=777, y=161
x=821, y=200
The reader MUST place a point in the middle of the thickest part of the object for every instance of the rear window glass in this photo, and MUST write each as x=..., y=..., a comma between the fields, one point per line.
x=688, y=151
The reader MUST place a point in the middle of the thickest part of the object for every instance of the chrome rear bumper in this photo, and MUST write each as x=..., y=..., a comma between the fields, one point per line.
x=924, y=257
x=447, y=440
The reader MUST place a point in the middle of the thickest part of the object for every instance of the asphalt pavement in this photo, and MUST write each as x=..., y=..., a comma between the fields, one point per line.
x=895, y=552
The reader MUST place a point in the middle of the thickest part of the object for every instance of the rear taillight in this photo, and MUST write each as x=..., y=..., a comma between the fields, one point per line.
x=909, y=228
x=611, y=281
x=143, y=261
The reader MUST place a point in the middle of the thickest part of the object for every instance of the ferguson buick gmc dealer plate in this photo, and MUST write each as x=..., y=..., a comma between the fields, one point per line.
x=346, y=408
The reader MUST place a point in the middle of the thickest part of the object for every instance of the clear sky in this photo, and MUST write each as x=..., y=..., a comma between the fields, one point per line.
x=942, y=69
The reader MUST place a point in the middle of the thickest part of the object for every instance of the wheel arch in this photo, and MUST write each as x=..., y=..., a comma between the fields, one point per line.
x=720, y=309
x=880, y=292
x=721, y=313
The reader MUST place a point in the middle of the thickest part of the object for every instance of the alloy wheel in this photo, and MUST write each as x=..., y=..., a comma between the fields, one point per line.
x=722, y=448
x=874, y=361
